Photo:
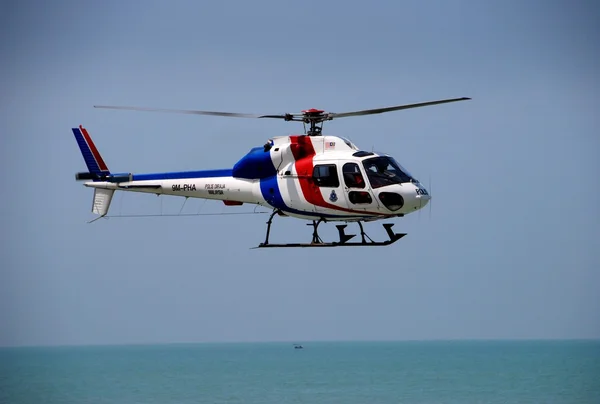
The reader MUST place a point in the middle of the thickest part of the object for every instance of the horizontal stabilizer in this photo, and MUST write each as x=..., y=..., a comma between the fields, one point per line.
x=102, y=199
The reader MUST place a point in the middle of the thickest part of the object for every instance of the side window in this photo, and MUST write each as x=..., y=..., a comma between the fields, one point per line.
x=352, y=176
x=326, y=176
x=358, y=197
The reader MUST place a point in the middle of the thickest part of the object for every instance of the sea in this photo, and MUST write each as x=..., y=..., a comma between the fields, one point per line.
x=430, y=372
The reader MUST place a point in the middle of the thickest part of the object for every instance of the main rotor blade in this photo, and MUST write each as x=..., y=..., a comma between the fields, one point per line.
x=389, y=109
x=194, y=112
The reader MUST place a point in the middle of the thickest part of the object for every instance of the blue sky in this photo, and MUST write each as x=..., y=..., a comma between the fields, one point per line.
x=509, y=250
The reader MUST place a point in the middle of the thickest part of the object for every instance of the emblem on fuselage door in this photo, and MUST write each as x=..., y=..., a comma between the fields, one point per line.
x=333, y=196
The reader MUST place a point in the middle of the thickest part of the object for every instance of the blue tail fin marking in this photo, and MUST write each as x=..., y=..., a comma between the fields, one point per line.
x=90, y=153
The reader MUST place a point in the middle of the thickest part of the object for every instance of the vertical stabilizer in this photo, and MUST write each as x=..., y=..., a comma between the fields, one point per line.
x=102, y=200
x=90, y=153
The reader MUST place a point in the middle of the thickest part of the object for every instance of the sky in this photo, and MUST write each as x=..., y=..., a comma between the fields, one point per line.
x=508, y=249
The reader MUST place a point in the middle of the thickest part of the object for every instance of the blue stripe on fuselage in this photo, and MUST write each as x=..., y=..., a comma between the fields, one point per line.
x=257, y=164
x=270, y=191
x=183, y=175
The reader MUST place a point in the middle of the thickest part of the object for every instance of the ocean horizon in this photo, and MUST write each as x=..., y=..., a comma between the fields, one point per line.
x=408, y=371
x=298, y=341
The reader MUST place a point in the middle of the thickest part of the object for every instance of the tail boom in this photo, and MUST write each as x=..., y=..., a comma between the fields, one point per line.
x=199, y=184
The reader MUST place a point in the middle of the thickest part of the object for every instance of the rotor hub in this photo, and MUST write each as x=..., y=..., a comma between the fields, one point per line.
x=313, y=111
x=315, y=118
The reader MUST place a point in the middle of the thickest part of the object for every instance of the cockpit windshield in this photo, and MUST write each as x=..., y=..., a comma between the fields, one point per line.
x=384, y=170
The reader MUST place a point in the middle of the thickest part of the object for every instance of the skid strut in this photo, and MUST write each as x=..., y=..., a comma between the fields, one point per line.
x=316, y=239
x=269, y=223
x=344, y=240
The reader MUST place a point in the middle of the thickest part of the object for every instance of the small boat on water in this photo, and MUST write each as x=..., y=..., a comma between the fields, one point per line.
x=298, y=346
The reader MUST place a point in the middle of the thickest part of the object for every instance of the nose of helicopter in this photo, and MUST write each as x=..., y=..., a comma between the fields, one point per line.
x=423, y=198
x=405, y=198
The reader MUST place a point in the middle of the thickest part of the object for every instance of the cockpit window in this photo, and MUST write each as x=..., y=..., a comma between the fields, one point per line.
x=352, y=176
x=384, y=171
x=326, y=175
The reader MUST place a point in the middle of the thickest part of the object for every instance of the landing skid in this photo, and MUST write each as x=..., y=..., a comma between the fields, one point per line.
x=344, y=238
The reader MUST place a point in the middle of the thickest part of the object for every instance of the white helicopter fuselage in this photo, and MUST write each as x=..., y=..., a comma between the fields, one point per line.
x=310, y=176
x=307, y=177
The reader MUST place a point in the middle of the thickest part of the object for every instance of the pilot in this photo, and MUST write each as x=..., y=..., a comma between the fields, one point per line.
x=358, y=180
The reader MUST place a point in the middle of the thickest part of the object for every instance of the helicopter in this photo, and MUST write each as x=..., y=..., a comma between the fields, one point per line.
x=311, y=176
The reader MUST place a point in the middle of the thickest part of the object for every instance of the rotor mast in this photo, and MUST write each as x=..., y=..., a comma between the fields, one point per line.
x=314, y=118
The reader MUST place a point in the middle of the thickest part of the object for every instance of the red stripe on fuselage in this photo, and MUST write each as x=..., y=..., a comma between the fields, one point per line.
x=303, y=152
x=101, y=165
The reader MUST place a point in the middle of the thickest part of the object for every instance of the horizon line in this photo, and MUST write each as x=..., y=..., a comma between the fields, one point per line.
x=301, y=341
